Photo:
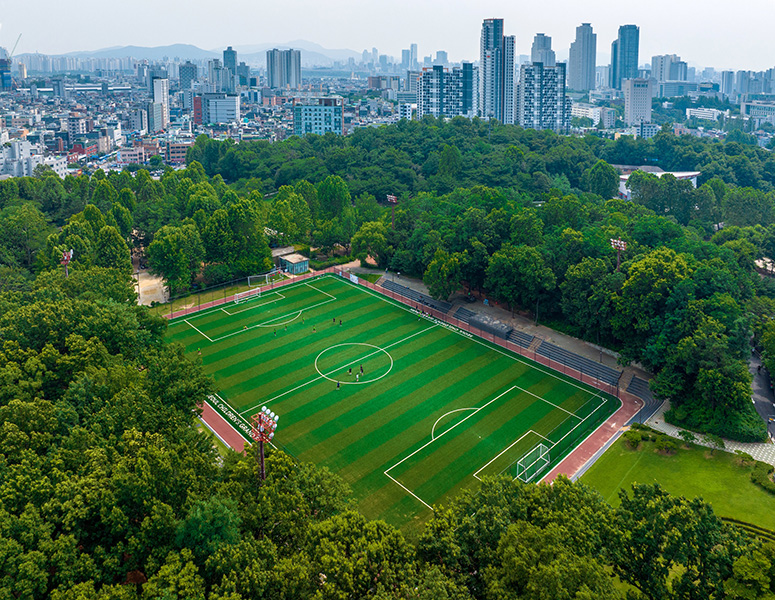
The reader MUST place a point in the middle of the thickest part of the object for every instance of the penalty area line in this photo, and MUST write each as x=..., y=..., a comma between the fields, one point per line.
x=199, y=331
x=408, y=491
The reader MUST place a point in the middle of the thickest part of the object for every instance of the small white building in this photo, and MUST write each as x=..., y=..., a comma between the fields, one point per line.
x=624, y=191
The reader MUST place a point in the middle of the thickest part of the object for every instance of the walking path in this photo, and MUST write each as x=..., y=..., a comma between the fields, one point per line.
x=762, y=452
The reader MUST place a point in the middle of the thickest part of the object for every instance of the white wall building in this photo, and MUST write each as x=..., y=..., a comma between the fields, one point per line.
x=596, y=113
x=637, y=101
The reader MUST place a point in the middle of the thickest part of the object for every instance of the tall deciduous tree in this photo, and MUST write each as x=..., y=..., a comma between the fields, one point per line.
x=443, y=275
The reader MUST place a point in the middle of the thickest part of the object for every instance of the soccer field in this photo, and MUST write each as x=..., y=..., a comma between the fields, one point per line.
x=433, y=411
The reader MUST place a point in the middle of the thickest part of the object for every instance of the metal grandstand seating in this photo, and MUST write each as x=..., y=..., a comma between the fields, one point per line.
x=520, y=338
x=640, y=388
x=417, y=297
x=463, y=314
x=579, y=363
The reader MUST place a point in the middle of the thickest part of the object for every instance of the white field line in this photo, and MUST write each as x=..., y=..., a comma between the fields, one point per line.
x=516, y=357
x=209, y=311
x=446, y=431
x=250, y=442
x=507, y=448
x=433, y=429
x=198, y=330
x=321, y=291
x=269, y=322
x=551, y=403
x=252, y=306
x=252, y=406
x=408, y=491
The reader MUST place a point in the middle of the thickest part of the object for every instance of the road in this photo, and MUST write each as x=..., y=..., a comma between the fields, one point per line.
x=763, y=397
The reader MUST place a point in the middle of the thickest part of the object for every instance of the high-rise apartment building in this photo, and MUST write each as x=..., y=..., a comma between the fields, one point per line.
x=496, y=72
x=542, y=102
x=637, y=101
x=447, y=92
x=542, y=52
x=318, y=115
x=230, y=59
x=624, y=55
x=668, y=67
x=728, y=83
x=188, y=74
x=161, y=98
x=582, y=59
x=413, y=56
x=283, y=68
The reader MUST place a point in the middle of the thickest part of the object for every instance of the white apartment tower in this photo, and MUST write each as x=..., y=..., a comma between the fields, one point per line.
x=542, y=103
x=637, y=101
x=496, y=72
x=582, y=59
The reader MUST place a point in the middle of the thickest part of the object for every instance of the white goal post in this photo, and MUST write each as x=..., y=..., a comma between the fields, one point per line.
x=262, y=279
x=247, y=295
x=533, y=463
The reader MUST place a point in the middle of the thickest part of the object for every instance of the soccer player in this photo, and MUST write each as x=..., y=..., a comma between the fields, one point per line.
x=334, y=320
x=337, y=385
x=361, y=369
x=350, y=371
x=340, y=322
x=357, y=377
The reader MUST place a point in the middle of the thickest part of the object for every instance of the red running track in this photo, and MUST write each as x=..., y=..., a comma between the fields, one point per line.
x=572, y=463
x=222, y=428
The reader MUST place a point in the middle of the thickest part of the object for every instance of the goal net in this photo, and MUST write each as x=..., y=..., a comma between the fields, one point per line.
x=262, y=279
x=247, y=295
x=533, y=463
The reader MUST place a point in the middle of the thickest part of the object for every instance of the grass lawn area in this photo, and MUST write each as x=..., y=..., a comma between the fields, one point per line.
x=223, y=450
x=718, y=479
x=407, y=410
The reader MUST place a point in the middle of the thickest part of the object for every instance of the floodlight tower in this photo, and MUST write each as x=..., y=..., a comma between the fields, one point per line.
x=619, y=246
x=67, y=256
x=264, y=424
x=392, y=200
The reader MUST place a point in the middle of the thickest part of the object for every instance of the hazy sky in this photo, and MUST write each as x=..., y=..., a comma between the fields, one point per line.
x=725, y=35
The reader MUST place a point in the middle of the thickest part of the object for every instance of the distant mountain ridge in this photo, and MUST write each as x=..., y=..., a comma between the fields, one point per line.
x=255, y=54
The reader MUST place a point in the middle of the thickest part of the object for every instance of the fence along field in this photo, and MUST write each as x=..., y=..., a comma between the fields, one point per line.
x=408, y=410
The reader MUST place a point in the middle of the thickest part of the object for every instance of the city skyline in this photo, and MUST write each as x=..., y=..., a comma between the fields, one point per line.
x=689, y=29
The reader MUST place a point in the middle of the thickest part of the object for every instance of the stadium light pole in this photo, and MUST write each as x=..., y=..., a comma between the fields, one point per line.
x=263, y=426
x=619, y=246
x=67, y=256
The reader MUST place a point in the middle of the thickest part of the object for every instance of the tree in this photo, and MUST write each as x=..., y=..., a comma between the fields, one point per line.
x=443, y=275
x=519, y=275
x=716, y=442
x=176, y=254
x=601, y=179
x=24, y=230
x=473, y=264
x=111, y=250
x=371, y=241
x=527, y=228
x=334, y=196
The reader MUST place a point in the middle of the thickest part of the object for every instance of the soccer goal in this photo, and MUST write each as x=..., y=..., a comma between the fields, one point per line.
x=533, y=463
x=247, y=295
x=262, y=279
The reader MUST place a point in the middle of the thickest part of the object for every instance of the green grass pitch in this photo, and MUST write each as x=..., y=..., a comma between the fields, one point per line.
x=434, y=410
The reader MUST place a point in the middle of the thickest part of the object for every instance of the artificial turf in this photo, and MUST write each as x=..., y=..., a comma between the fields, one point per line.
x=434, y=409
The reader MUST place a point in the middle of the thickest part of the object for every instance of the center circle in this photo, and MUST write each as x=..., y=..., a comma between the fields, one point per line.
x=354, y=364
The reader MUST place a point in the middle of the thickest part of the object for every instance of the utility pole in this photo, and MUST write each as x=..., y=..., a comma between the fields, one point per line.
x=619, y=246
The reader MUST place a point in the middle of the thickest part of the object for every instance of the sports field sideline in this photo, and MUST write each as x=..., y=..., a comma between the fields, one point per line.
x=407, y=410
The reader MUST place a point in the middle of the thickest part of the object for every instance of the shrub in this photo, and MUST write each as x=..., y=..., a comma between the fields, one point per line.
x=762, y=476
x=632, y=438
x=666, y=444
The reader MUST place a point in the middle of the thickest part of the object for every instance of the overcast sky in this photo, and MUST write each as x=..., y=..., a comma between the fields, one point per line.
x=725, y=35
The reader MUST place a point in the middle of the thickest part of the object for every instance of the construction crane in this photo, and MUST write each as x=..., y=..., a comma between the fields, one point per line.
x=10, y=56
x=14, y=83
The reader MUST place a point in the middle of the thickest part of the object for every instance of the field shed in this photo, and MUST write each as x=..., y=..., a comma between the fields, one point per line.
x=294, y=263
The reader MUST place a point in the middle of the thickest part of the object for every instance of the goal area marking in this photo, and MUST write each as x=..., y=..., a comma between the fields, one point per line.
x=544, y=455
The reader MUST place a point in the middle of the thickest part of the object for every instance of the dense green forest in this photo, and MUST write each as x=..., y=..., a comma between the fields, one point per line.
x=108, y=492
x=523, y=216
